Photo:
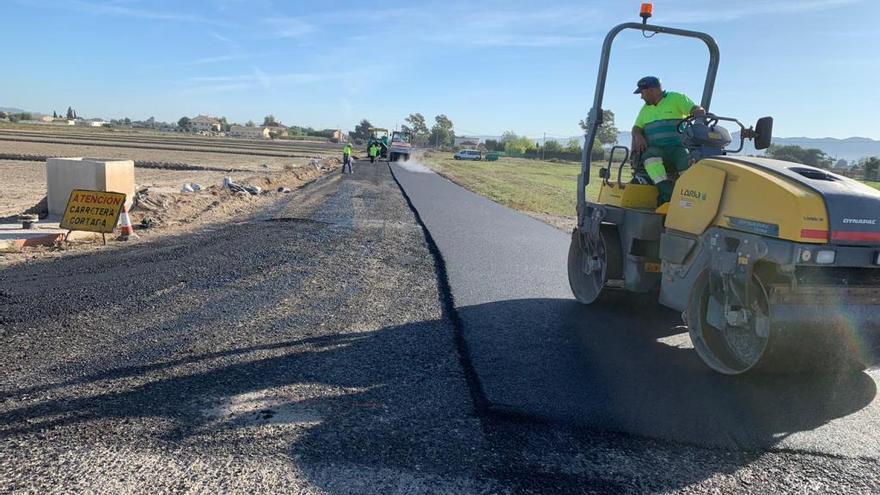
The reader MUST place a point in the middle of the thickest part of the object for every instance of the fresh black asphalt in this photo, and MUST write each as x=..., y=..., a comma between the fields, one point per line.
x=625, y=367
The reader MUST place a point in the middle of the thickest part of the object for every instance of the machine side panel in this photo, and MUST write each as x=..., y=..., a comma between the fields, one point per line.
x=686, y=257
x=760, y=202
x=696, y=198
x=851, y=206
x=640, y=238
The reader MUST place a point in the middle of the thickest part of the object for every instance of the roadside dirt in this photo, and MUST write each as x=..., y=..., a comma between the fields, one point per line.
x=161, y=209
x=202, y=158
x=565, y=224
x=23, y=186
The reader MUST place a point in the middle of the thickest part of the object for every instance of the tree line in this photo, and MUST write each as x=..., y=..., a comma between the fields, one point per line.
x=867, y=168
x=440, y=134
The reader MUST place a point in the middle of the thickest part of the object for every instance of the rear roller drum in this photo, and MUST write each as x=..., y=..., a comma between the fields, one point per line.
x=591, y=264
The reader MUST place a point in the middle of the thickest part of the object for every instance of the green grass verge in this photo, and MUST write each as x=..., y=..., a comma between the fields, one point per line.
x=528, y=185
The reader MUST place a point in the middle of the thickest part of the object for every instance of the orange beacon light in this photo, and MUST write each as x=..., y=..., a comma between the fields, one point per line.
x=645, y=12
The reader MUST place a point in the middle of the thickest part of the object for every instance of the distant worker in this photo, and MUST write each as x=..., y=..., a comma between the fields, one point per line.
x=346, y=158
x=374, y=152
x=655, y=136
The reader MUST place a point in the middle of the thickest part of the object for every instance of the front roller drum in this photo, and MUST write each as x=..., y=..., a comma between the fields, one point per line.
x=748, y=339
x=728, y=348
x=591, y=263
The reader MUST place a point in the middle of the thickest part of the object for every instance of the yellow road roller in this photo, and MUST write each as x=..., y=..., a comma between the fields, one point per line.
x=766, y=259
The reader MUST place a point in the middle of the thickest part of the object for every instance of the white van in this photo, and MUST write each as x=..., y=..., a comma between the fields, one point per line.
x=468, y=155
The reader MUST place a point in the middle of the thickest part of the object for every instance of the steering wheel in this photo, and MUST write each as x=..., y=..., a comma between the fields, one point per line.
x=708, y=120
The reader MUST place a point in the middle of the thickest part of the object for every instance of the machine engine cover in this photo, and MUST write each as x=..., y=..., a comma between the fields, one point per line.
x=696, y=198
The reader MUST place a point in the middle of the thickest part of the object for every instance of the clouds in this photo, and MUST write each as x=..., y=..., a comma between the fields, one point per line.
x=737, y=11
x=490, y=65
x=289, y=27
x=127, y=9
x=256, y=79
x=453, y=25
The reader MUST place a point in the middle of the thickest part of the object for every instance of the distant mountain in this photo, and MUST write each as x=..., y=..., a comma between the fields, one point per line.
x=849, y=149
x=35, y=115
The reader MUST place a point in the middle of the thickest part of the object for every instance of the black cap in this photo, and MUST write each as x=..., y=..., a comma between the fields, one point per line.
x=647, y=82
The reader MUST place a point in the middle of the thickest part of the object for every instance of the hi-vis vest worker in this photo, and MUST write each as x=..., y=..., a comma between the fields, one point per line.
x=655, y=135
x=346, y=150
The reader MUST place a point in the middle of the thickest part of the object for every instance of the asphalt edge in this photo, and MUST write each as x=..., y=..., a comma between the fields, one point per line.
x=447, y=304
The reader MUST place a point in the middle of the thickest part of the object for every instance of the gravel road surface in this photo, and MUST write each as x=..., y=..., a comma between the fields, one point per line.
x=313, y=348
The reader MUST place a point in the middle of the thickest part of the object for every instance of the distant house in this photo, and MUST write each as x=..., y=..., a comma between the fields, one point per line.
x=276, y=129
x=50, y=120
x=464, y=141
x=241, y=131
x=205, y=123
x=338, y=135
x=92, y=122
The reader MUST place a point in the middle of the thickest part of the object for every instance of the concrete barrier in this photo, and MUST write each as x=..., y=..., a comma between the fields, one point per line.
x=66, y=174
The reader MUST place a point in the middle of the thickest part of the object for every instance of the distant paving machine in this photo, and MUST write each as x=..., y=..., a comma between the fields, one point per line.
x=770, y=262
x=379, y=137
x=401, y=146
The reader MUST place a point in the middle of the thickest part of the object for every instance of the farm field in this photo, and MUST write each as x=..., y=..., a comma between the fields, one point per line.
x=160, y=173
x=543, y=189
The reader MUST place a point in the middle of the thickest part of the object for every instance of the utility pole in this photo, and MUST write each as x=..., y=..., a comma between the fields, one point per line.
x=543, y=146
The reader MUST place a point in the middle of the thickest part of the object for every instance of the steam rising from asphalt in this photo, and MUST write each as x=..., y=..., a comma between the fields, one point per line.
x=414, y=166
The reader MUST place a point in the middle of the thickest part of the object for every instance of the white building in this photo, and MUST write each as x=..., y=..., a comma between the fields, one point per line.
x=249, y=132
x=464, y=141
x=205, y=123
x=92, y=122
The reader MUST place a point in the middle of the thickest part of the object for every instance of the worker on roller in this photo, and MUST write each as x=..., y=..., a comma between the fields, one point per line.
x=655, y=136
x=346, y=158
x=374, y=152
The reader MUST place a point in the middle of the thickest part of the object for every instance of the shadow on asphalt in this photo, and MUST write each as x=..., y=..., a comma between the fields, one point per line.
x=627, y=367
x=390, y=405
x=394, y=413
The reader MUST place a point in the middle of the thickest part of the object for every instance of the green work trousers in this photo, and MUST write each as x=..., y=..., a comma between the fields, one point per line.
x=658, y=161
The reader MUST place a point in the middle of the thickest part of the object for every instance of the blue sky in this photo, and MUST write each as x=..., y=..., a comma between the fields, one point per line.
x=493, y=66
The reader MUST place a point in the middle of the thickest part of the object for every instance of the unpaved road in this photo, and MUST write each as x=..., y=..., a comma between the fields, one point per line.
x=203, y=158
x=313, y=348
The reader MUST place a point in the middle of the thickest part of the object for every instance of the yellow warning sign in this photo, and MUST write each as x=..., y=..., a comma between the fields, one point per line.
x=93, y=211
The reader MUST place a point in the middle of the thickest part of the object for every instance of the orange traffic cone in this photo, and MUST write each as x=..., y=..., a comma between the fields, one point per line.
x=126, y=231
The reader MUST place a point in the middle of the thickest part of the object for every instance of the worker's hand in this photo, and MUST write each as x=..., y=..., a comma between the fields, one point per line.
x=698, y=112
x=639, y=144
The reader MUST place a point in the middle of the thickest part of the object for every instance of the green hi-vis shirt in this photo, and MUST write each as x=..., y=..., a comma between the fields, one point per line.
x=658, y=121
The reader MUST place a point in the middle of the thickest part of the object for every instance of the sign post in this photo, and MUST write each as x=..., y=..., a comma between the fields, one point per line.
x=92, y=211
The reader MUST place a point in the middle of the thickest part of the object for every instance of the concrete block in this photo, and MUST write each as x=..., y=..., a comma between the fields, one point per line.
x=66, y=174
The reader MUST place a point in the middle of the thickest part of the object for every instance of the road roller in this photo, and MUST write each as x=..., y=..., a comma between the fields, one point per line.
x=765, y=259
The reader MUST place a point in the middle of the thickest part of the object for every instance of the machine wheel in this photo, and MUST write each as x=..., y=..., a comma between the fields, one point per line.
x=588, y=268
x=730, y=349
